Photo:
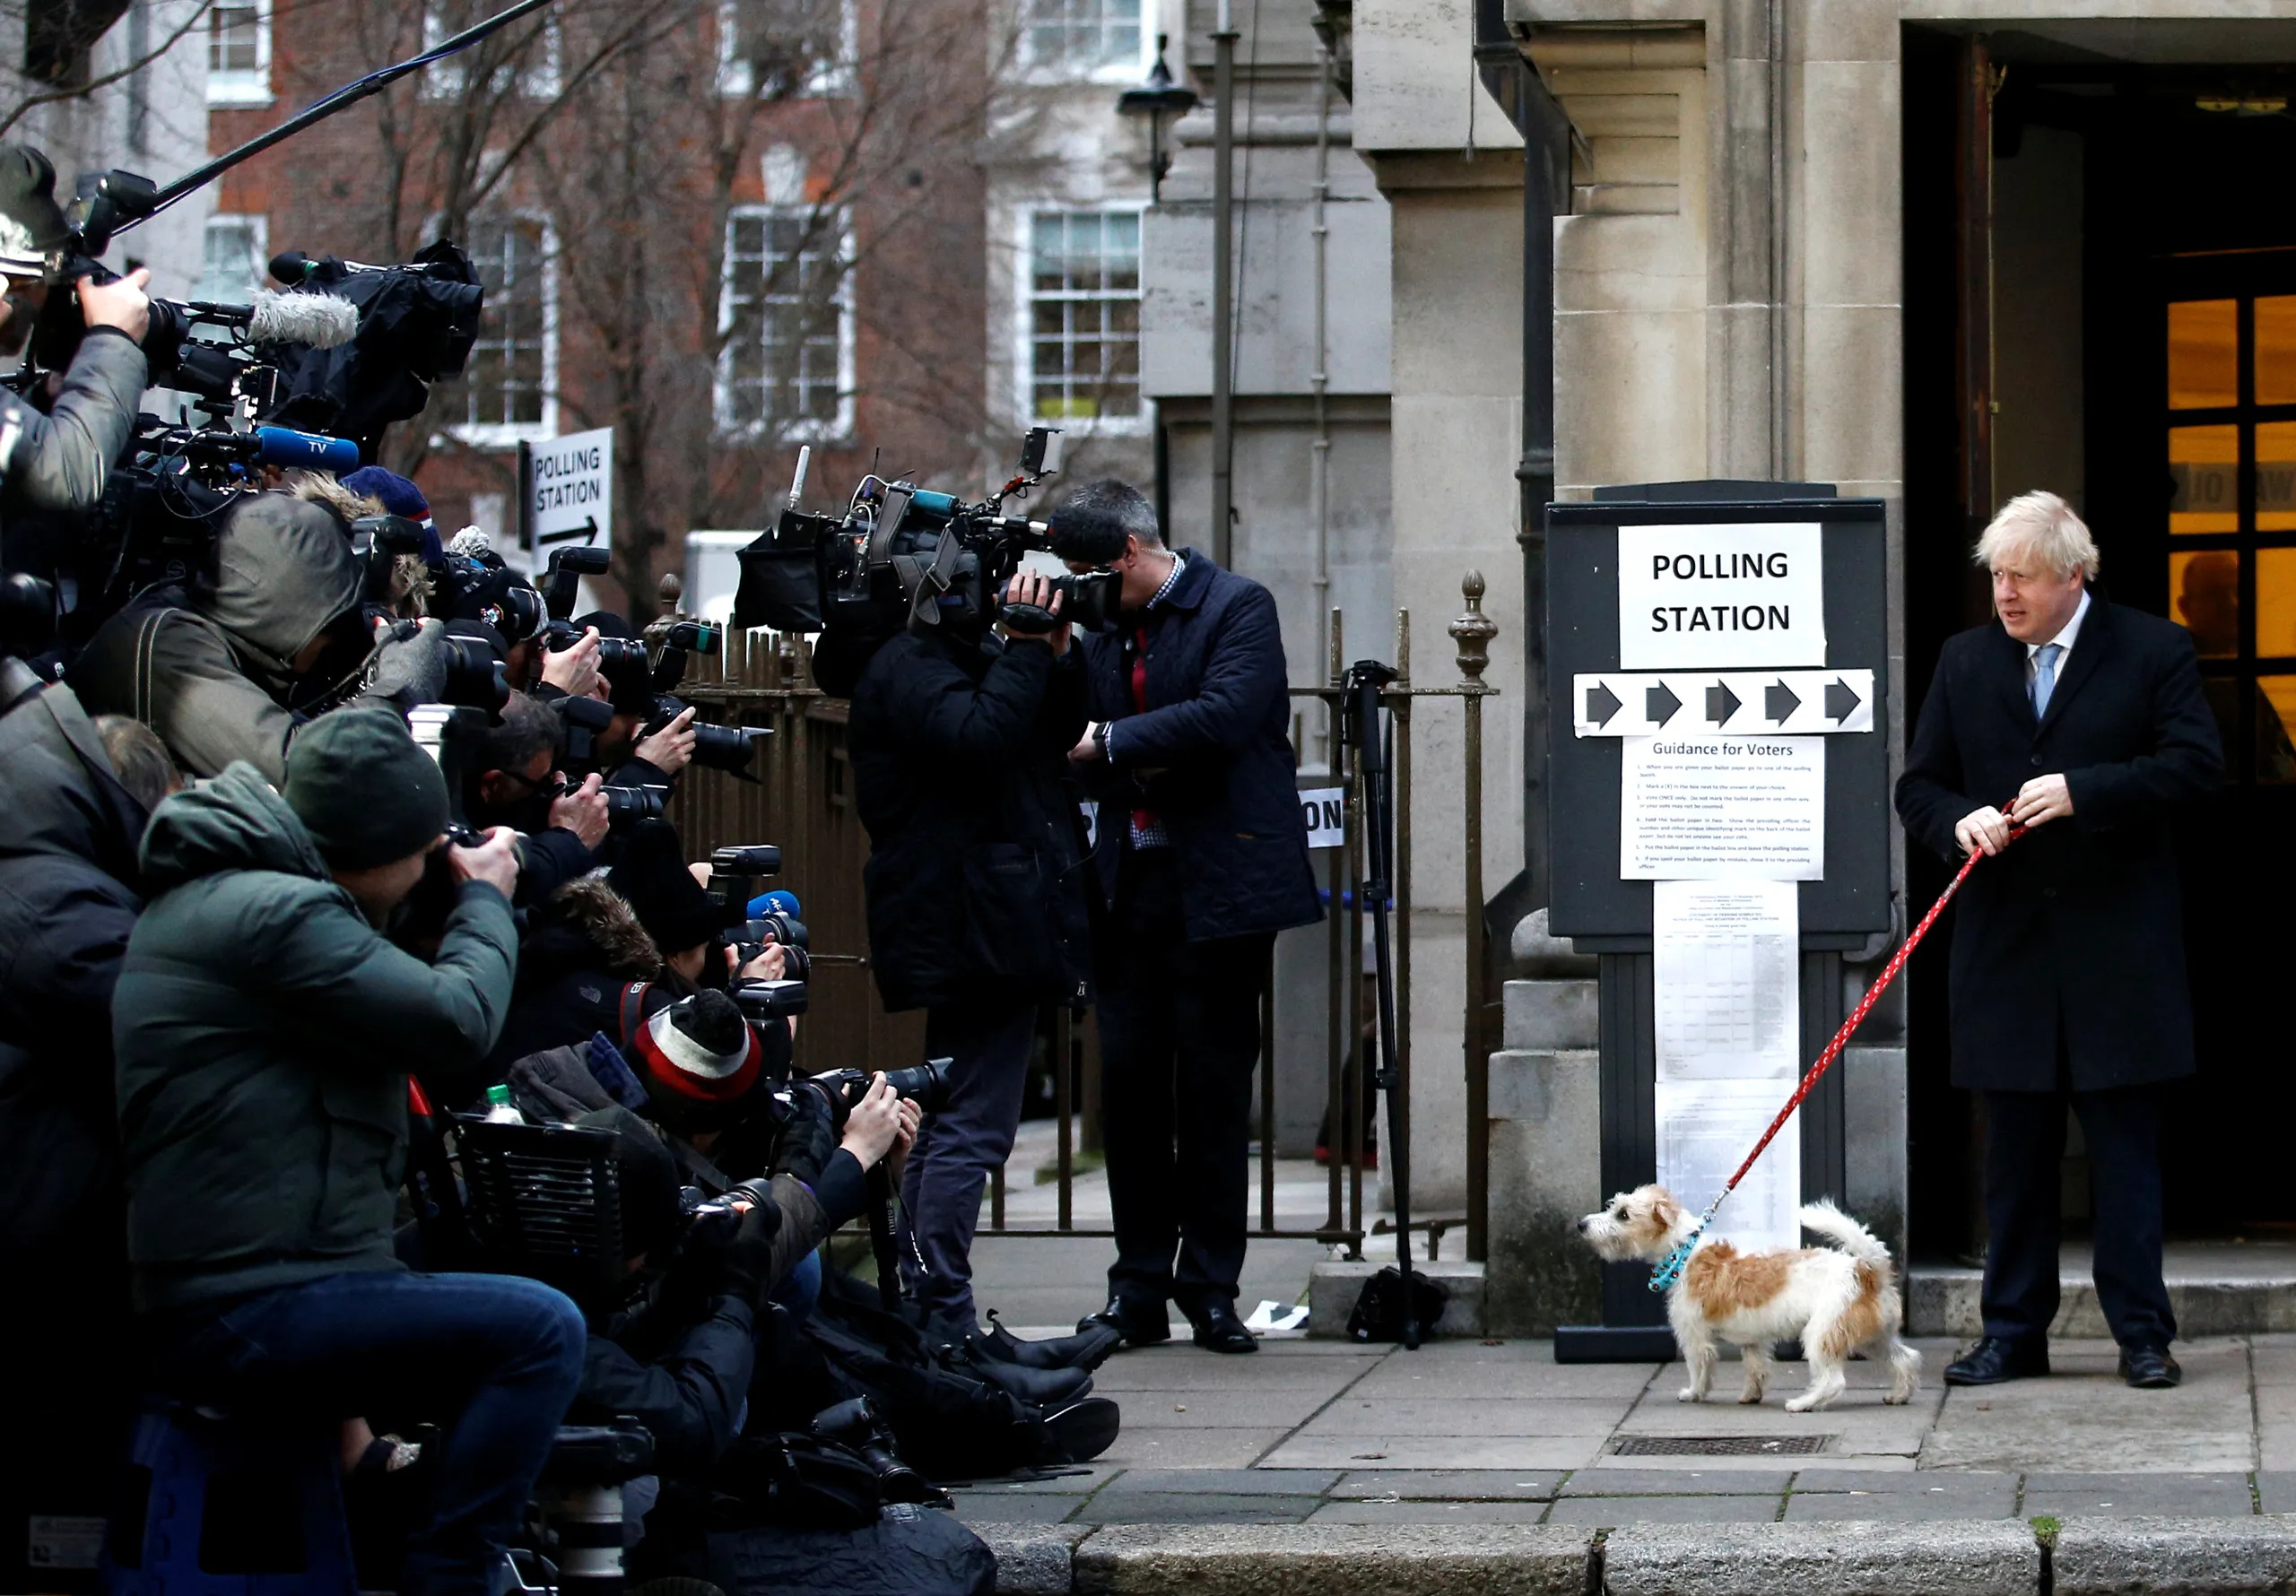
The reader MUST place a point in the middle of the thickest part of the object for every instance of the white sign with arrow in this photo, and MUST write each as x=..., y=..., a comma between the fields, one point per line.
x=1721, y=703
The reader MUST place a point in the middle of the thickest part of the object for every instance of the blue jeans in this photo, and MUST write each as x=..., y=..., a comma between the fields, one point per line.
x=494, y=1359
x=800, y=1289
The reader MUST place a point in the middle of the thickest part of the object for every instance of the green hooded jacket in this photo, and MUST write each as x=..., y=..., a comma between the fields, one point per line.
x=264, y=1032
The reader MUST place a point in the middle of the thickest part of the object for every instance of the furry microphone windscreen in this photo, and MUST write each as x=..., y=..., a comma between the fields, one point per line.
x=315, y=321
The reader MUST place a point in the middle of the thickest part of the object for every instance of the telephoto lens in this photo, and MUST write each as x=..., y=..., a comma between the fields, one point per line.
x=474, y=677
x=621, y=657
x=926, y=1084
x=626, y=806
x=854, y=1425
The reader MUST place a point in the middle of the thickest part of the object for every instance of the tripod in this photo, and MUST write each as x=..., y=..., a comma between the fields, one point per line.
x=1360, y=728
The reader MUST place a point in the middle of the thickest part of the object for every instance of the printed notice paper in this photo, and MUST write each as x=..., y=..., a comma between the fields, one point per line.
x=1719, y=808
x=1725, y=979
x=1720, y=598
x=1704, y=1128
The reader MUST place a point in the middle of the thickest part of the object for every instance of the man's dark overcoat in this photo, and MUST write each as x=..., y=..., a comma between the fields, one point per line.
x=2079, y=923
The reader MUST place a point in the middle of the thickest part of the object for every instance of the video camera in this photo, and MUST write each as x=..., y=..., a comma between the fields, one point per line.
x=906, y=556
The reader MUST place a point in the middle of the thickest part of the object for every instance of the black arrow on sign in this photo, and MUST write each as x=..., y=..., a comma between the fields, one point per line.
x=1721, y=703
x=1601, y=704
x=1658, y=704
x=1779, y=703
x=1842, y=700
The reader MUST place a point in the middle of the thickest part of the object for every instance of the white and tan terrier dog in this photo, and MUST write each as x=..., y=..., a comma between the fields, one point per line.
x=1834, y=1299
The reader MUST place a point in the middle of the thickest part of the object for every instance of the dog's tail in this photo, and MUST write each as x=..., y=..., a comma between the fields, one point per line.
x=1846, y=1232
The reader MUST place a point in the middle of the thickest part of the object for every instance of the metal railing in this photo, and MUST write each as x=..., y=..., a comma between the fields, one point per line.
x=802, y=801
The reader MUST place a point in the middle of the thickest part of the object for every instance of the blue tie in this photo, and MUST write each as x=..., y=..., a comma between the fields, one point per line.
x=2044, y=676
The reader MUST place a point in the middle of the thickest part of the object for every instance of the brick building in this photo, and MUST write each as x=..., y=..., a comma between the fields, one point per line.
x=723, y=227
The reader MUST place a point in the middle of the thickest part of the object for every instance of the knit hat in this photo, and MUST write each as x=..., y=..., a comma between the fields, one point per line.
x=402, y=497
x=699, y=1059
x=364, y=790
x=31, y=224
x=652, y=879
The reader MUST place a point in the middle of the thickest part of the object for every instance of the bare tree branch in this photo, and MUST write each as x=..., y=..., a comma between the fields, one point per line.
x=81, y=91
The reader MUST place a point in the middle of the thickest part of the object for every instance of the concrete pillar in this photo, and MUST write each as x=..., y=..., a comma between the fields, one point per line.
x=1455, y=417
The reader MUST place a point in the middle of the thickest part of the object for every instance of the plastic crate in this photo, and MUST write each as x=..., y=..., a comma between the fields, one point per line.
x=544, y=1201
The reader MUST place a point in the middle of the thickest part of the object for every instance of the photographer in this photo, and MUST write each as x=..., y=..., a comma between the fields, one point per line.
x=976, y=889
x=264, y=1027
x=514, y=784
x=630, y=756
x=1205, y=856
x=58, y=460
x=232, y=665
x=69, y=895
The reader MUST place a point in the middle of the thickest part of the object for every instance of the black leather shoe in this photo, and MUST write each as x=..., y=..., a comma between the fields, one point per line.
x=1088, y=1348
x=1994, y=1359
x=2149, y=1368
x=1218, y=1328
x=1141, y=1323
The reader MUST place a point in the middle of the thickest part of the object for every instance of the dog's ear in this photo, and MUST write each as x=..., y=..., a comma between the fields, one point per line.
x=1665, y=1209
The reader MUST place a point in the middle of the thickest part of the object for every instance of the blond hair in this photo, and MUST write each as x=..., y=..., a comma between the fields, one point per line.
x=2043, y=525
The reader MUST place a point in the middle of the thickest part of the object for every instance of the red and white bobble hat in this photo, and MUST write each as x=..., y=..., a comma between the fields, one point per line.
x=699, y=1054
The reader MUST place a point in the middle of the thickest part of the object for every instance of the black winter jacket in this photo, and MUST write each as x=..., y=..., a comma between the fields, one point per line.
x=68, y=832
x=976, y=881
x=1212, y=754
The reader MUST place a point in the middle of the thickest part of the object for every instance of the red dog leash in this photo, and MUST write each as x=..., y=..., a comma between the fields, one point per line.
x=1664, y=1277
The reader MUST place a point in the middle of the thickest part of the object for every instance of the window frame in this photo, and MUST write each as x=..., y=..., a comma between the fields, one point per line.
x=232, y=87
x=1024, y=401
x=258, y=227
x=838, y=79
x=490, y=436
x=444, y=80
x=814, y=430
x=1040, y=69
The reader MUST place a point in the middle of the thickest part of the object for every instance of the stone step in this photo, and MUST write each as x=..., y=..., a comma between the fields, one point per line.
x=2216, y=1290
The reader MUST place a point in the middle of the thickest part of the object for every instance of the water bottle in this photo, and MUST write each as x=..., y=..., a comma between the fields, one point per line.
x=499, y=1109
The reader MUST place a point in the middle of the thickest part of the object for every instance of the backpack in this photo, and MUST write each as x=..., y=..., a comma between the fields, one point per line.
x=1379, y=1311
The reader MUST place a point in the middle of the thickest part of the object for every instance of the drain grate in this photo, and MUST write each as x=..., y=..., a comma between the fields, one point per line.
x=1718, y=1445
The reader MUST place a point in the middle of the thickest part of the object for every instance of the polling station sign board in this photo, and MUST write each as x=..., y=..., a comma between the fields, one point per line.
x=566, y=487
x=1684, y=633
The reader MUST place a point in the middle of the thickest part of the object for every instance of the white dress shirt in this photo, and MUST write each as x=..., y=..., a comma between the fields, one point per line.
x=2063, y=641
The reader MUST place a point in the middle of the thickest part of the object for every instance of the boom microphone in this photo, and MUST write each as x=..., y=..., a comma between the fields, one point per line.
x=317, y=321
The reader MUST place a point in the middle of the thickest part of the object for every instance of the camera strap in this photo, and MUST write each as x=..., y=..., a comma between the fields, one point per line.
x=147, y=637
x=634, y=1011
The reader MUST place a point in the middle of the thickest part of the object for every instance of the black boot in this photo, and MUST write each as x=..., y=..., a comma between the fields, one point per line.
x=1047, y=1388
x=1088, y=1348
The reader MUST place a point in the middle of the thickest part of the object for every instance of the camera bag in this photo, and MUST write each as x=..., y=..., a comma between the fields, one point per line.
x=1379, y=1311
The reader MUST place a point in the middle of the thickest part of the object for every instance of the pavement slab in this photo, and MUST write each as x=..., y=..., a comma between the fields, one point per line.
x=1769, y=1481
x=2083, y=1412
x=1429, y=1513
x=1207, y=1448
x=1435, y=1452
x=1356, y=1415
x=2207, y=1496
x=1452, y=1485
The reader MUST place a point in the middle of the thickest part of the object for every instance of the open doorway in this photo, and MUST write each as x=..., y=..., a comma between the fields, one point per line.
x=2101, y=299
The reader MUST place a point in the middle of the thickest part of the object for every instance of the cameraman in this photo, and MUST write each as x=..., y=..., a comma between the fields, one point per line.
x=976, y=885
x=515, y=784
x=58, y=460
x=630, y=756
x=231, y=666
x=264, y=1027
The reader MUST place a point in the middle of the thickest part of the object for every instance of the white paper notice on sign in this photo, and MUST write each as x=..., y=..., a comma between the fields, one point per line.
x=570, y=490
x=1705, y=1127
x=1324, y=809
x=1722, y=809
x=1725, y=979
x=1720, y=598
